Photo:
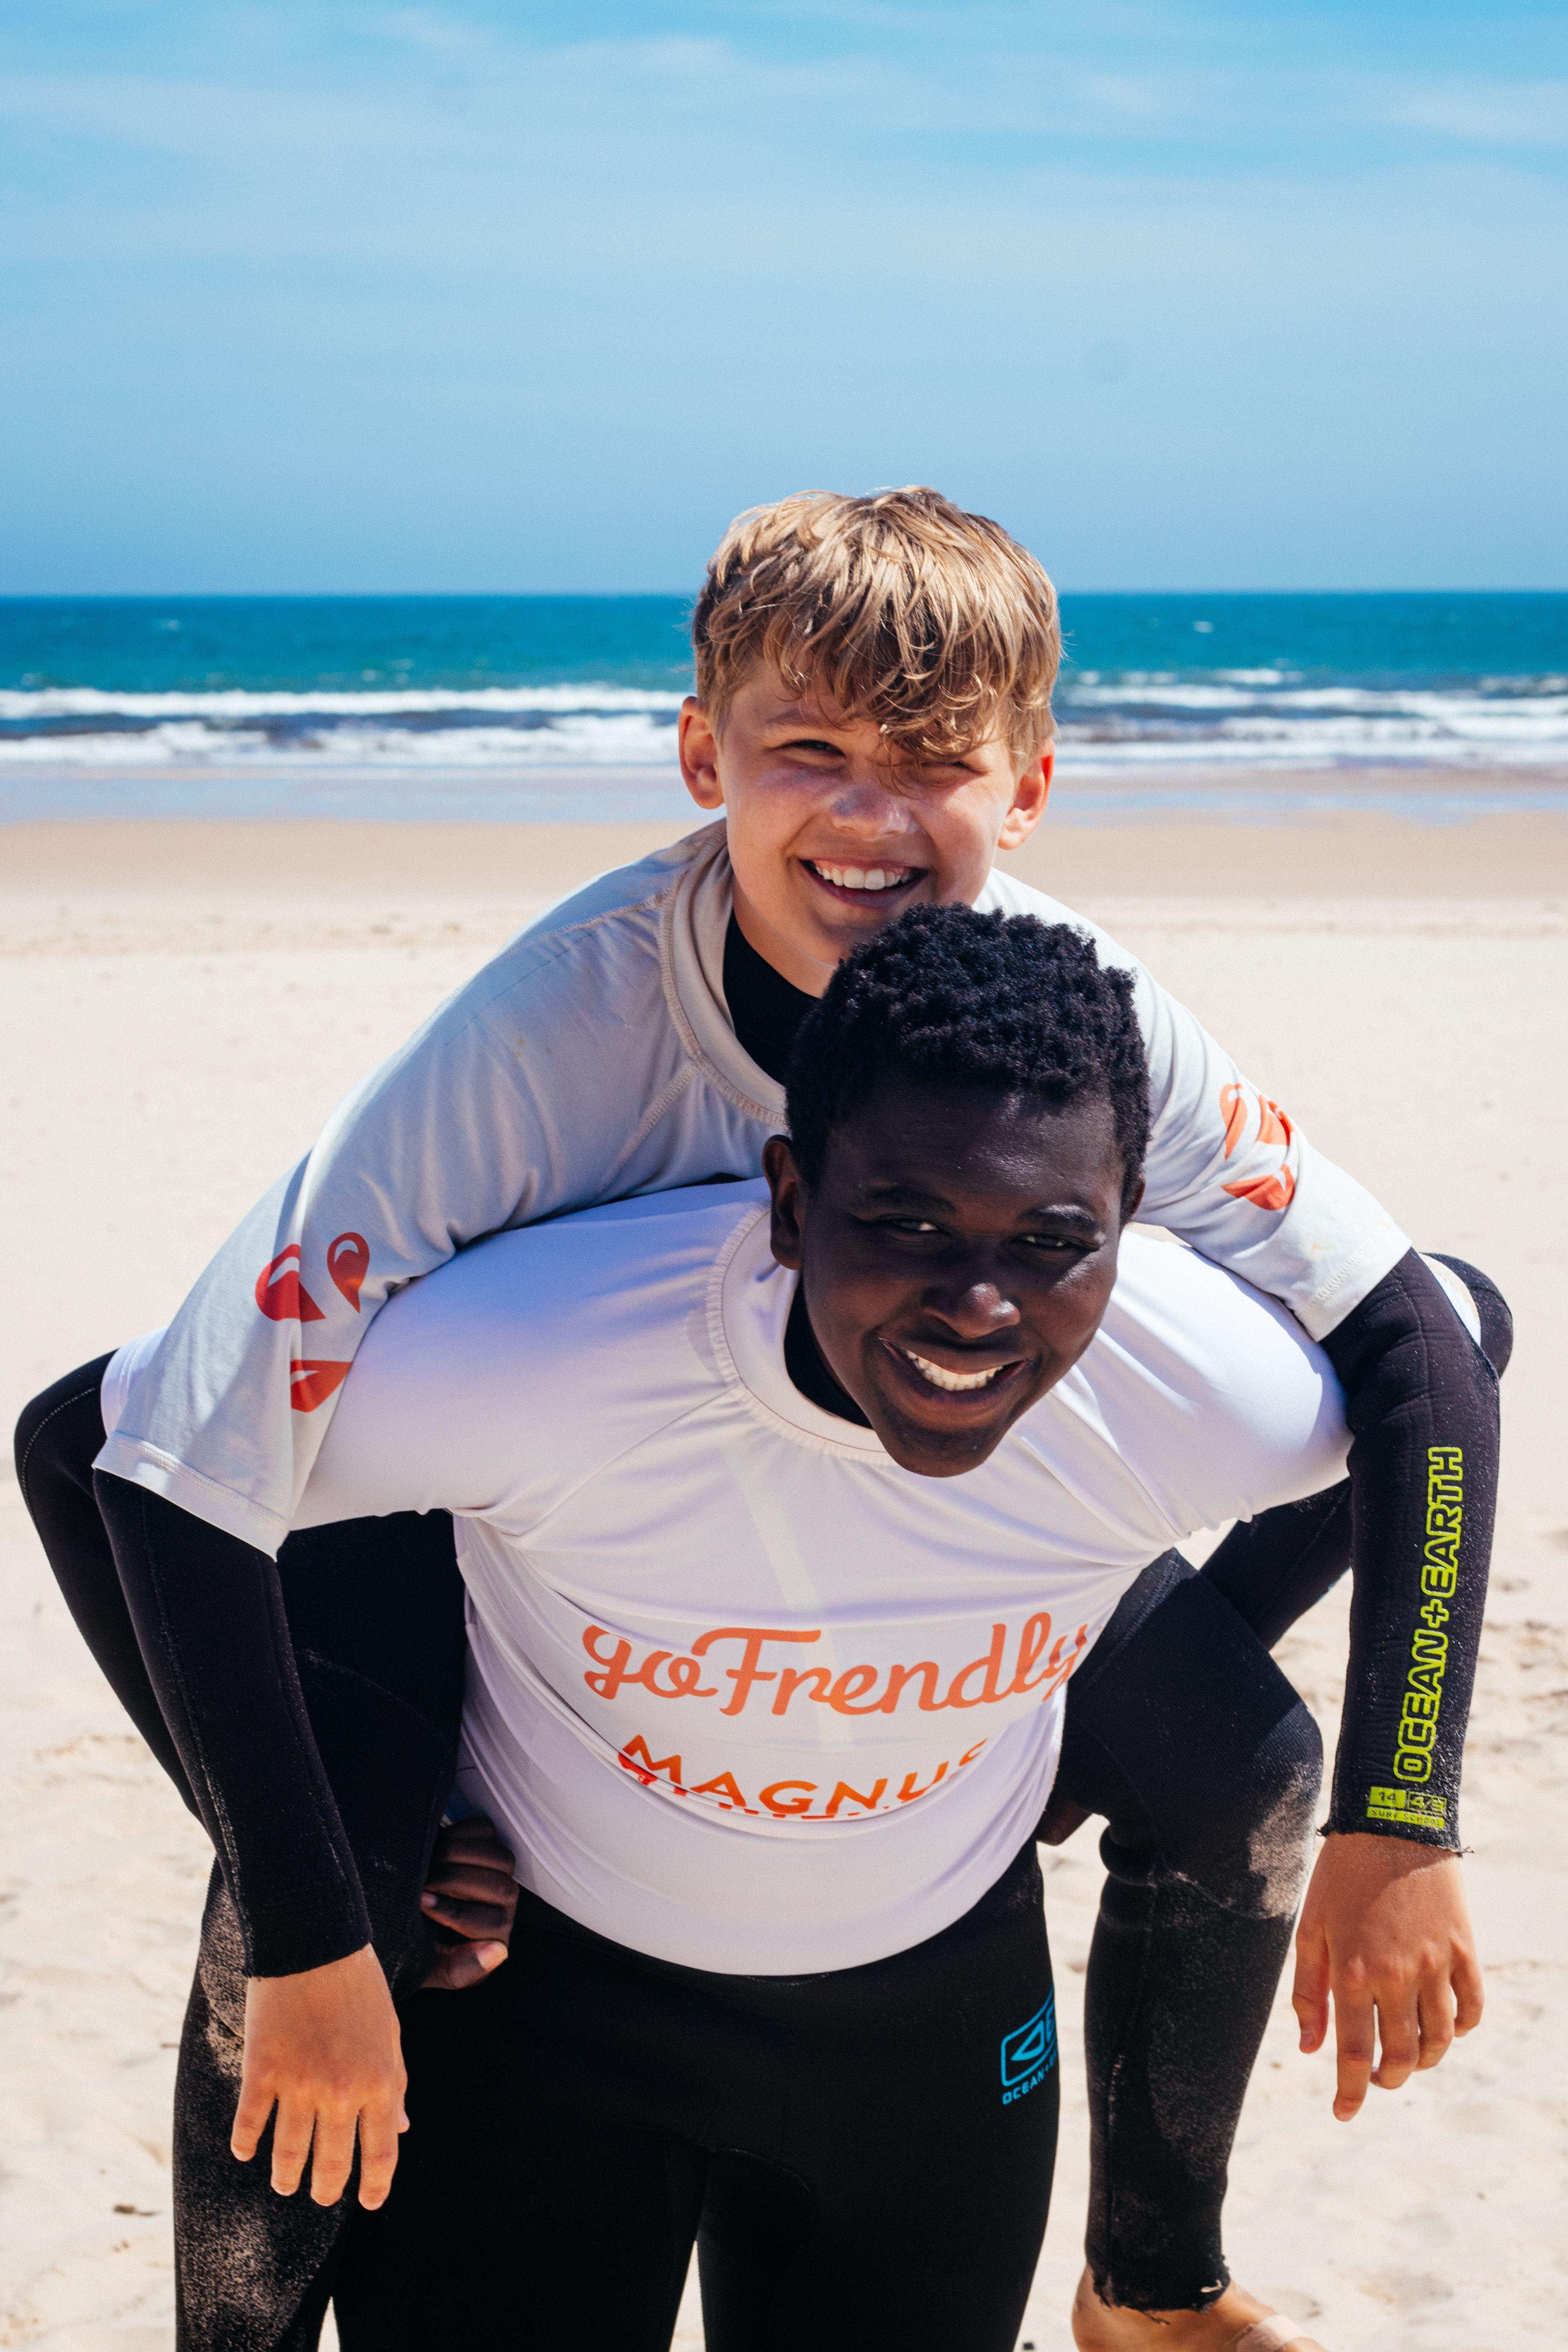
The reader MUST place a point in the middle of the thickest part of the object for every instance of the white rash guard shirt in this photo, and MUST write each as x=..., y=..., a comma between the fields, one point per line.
x=742, y=1693
x=590, y=1061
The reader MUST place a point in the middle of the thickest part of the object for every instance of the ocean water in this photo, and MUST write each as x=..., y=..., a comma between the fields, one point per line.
x=553, y=706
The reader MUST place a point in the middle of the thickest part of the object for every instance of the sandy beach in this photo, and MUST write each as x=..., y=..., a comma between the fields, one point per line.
x=183, y=1002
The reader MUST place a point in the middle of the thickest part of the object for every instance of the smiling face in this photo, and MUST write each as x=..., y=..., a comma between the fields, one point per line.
x=833, y=832
x=957, y=1251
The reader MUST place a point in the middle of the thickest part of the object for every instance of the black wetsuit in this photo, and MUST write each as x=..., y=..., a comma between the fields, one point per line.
x=308, y=1711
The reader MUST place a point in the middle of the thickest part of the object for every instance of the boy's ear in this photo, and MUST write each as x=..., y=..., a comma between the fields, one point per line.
x=699, y=747
x=1034, y=790
x=788, y=1193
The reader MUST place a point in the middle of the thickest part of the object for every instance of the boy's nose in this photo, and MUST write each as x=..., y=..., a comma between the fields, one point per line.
x=972, y=1308
x=870, y=805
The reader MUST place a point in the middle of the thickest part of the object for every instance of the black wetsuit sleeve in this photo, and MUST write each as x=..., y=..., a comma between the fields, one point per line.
x=1422, y=1402
x=208, y=1613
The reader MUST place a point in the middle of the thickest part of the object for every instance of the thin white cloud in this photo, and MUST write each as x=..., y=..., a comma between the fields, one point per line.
x=1501, y=114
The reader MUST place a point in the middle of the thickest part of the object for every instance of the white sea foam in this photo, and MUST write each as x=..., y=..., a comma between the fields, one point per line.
x=1241, y=716
x=578, y=740
x=1262, y=716
x=22, y=704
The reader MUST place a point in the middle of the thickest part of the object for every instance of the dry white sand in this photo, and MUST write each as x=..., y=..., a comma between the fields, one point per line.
x=180, y=1006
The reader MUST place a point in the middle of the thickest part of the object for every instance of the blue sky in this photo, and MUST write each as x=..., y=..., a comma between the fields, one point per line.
x=302, y=295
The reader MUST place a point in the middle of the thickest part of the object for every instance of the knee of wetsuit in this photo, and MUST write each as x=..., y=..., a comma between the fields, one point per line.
x=1492, y=1308
x=1244, y=1839
x=1285, y=1813
x=59, y=1434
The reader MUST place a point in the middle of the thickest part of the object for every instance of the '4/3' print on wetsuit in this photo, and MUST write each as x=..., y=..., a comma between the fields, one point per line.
x=1423, y=1699
x=1029, y=2053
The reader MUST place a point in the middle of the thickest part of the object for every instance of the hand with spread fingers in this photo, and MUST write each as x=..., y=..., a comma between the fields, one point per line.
x=324, y=2050
x=471, y=1898
x=1386, y=1934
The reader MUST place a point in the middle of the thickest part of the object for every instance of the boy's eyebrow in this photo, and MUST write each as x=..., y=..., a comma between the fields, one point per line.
x=891, y=1193
x=794, y=714
x=891, y=1190
x=818, y=721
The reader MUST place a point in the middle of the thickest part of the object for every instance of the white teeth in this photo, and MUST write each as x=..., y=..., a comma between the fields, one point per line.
x=863, y=878
x=941, y=1378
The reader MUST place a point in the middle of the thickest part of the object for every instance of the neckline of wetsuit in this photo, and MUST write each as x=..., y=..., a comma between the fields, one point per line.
x=765, y=1008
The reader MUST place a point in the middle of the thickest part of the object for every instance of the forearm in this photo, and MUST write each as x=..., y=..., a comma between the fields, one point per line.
x=1422, y=1404
x=209, y=1616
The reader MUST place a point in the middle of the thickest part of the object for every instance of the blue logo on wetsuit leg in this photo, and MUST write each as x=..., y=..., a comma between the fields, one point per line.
x=1029, y=2053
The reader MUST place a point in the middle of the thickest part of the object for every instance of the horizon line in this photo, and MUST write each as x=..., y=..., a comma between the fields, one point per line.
x=639, y=595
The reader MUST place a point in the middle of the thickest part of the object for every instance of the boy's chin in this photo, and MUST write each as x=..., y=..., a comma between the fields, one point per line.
x=935, y=1452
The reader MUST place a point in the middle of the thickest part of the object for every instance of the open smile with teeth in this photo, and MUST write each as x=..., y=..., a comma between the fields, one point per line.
x=862, y=878
x=941, y=1378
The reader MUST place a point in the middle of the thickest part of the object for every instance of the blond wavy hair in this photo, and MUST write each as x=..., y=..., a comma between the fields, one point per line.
x=899, y=606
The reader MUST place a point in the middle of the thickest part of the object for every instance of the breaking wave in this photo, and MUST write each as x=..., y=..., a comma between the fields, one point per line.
x=1259, y=717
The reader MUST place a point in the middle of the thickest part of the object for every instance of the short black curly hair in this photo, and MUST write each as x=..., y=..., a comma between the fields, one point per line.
x=1003, y=1003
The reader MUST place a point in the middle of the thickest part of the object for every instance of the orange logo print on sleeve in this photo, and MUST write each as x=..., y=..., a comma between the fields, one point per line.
x=311, y=1381
x=283, y=1298
x=281, y=1293
x=348, y=1263
x=1277, y=1189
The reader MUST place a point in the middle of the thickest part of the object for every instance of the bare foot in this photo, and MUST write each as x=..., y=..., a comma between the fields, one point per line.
x=1104, y=2328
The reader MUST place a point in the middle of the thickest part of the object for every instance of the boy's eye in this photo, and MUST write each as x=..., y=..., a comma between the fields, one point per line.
x=811, y=743
x=1057, y=1244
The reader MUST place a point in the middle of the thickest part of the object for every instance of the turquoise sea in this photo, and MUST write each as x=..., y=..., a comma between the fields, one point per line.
x=565, y=707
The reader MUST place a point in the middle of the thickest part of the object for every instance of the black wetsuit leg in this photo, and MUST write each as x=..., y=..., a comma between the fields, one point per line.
x=1206, y=1764
x=863, y=2157
x=374, y=1616
x=58, y=1438
x=1186, y=1737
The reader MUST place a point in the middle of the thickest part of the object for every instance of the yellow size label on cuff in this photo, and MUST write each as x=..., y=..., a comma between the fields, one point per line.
x=1415, y=1808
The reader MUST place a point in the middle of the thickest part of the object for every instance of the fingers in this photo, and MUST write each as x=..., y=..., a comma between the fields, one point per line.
x=483, y=1922
x=1309, y=1992
x=473, y=1836
x=470, y=1894
x=324, y=2047
x=458, y=1966
x=471, y=1845
x=1435, y=2007
x=1399, y=2027
x=475, y=1880
x=332, y=2159
x=249, y=2119
x=379, y=2125
x=1355, y=2042
x=1418, y=2015
x=1469, y=1992
x=291, y=2143
x=326, y=2142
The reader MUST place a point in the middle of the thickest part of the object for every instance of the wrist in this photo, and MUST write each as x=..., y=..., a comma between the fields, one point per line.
x=289, y=1942
x=1438, y=1838
x=1381, y=1856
